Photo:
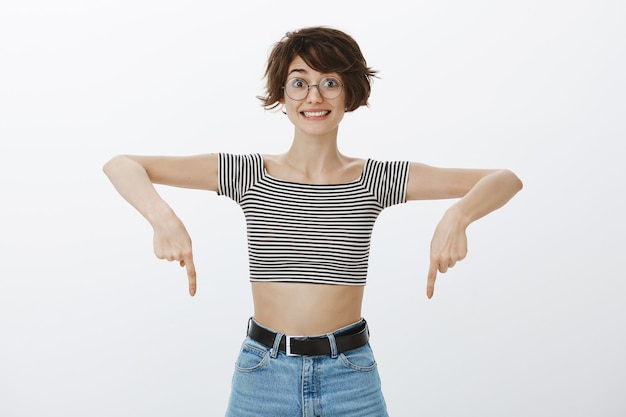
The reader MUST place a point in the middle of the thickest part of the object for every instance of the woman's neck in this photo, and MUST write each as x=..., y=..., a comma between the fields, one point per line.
x=314, y=156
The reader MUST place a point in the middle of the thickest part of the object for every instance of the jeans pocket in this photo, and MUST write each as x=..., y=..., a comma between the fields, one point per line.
x=359, y=359
x=251, y=358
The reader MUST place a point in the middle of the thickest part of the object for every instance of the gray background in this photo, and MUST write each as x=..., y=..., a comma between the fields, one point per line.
x=532, y=323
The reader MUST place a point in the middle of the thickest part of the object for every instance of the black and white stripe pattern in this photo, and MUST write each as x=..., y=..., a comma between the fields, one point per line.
x=307, y=232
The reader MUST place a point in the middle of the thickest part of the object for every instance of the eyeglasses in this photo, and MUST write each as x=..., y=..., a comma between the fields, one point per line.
x=297, y=89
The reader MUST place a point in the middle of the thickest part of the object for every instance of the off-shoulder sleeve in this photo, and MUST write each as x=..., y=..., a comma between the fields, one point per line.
x=237, y=173
x=387, y=181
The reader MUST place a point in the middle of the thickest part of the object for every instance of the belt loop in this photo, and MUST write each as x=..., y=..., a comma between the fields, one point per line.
x=276, y=347
x=333, y=345
x=249, y=324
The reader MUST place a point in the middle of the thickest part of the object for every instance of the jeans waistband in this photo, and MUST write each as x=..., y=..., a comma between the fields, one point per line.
x=342, y=340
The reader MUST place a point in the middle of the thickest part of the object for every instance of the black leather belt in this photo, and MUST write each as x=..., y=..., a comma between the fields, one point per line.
x=352, y=338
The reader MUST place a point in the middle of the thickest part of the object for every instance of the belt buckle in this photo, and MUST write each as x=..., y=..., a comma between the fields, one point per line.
x=288, y=345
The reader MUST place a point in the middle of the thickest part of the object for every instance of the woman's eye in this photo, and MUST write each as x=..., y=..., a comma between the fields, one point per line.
x=330, y=83
x=298, y=83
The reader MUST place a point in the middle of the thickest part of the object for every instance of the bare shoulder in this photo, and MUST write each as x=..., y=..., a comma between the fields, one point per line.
x=353, y=168
x=273, y=164
x=270, y=159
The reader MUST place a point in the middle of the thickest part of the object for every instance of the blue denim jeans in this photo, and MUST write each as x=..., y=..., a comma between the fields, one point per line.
x=268, y=383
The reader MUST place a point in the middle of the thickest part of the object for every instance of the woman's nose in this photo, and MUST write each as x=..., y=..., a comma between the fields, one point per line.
x=314, y=95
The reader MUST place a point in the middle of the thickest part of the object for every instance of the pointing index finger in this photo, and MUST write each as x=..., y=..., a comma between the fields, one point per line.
x=432, y=276
x=191, y=274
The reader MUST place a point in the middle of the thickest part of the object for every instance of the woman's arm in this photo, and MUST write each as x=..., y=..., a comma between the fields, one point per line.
x=480, y=193
x=133, y=178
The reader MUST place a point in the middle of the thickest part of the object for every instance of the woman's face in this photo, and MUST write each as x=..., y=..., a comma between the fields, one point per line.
x=314, y=101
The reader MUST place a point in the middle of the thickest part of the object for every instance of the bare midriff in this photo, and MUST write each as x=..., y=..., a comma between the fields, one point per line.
x=298, y=309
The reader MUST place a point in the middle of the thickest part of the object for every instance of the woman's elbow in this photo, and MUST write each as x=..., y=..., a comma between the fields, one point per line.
x=512, y=179
x=113, y=163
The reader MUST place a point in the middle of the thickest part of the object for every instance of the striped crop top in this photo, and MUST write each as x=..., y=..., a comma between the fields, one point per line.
x=310, y=233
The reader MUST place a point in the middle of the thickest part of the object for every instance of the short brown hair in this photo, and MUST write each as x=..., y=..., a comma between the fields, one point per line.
x=325, y=50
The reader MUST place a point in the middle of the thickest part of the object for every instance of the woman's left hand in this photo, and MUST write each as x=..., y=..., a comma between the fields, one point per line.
x=448, y=246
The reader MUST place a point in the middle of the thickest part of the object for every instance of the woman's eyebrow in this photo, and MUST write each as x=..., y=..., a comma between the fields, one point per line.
x=298, y=71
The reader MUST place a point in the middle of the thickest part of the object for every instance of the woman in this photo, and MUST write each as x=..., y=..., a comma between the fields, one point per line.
x=310, y=213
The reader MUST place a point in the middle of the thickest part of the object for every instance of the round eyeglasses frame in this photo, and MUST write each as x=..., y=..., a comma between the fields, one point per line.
x=324, y=91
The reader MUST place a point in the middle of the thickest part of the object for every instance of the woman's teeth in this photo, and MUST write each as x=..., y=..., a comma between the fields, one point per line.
x=315, y=113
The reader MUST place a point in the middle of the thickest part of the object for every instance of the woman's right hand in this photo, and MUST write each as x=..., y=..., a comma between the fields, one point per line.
x=172, y=242
x=133, y=177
